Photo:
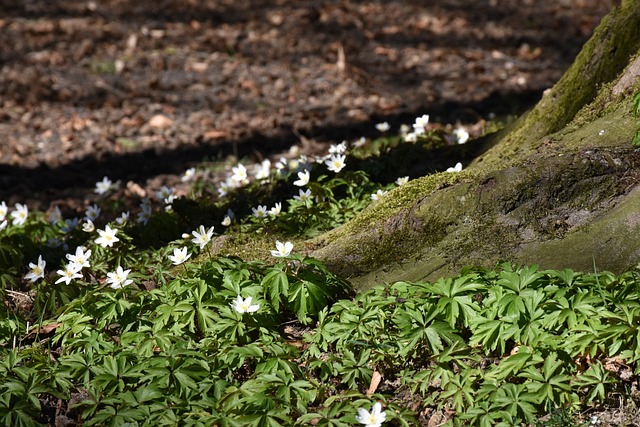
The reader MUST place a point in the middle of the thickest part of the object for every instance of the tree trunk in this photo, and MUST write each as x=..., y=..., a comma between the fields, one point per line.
x=559, y=188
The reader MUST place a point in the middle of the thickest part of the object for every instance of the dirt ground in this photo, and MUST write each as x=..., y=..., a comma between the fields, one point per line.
x=141, y=91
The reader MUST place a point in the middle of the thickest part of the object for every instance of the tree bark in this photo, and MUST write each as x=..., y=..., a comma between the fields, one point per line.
x=559, y=188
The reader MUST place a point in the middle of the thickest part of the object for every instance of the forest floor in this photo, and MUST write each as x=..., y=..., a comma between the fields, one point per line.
x=141, y=91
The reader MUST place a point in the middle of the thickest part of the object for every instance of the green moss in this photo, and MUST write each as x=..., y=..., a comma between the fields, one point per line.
x=394, y=202
x=252, y=246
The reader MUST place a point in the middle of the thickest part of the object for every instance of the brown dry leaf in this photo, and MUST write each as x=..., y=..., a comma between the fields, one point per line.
x=45, y=329
x=437, y=419
x=160, y=121
x=213, y=134
x=135, y=189
x=613, y=364
x=298, y=344
x=375, y=382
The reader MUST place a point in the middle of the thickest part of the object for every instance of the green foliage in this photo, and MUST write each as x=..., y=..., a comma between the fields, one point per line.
x=636, y=114
x=182, y=344
x=492, y=346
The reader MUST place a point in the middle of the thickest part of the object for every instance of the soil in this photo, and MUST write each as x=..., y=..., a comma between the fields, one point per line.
x=141, y=91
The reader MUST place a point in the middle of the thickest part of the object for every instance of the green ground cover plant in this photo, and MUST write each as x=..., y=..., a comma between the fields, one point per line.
x=115, y=320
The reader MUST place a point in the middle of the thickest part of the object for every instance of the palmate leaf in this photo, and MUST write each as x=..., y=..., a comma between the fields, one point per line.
x=636, y=113
x=515, y=400
x=19, y=415
x=621, y=331
x=492, y=334
x=456, y=298
x=567, y=276
x=460, y=389
x=480, y=415
x=570, y=312
x=550, y=383
x=521, y=279
x=429, y=337
x=275, y=285
x=595, y=381
x=512, y=365
x=308, y=299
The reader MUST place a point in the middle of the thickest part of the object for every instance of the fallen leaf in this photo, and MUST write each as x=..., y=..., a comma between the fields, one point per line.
x=375, y=382
x=160, y=121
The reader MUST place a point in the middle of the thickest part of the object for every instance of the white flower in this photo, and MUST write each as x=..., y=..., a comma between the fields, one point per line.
x=81, y=257
x=261, y=171
x=3, y=211
x=37, y=270
x=383, y=127
x=68, y=274
x=124, y=217
x=294, y=164
x=179, y=256
x=601, y=132
x=402, y=180
x=404, y=129
x=456, y=168
x=281, y=165
x=282, y=249
x=276, y=209
x=143, y=217
x=103, y=186
x=244, y=305
x=260, y=211
x=360, y=142
x=107, y=237
x=375, y=418
x=461, y=135
x=88, y=226
x=163, y=193
x=145, y=211
x=55, y=215
x=93, y=212
x=223, y=189
x=336, y=163
x=378, y=195
x=303, y=178
x=228, y=219
x=118, y=279
x=70, y=224
x=303, y=196
x=189, y=174
x=239, y=174
x=20, y=214
x=202, y=236
x=339, y=148
x=419, y=127
x=411, y=137
x=3, y=225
